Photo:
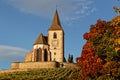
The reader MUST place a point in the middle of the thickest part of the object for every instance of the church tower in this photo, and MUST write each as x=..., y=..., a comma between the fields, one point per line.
x=56, y=40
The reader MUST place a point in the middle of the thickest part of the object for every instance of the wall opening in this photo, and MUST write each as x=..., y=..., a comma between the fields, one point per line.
x=45, y=55
x=38, y=55
x=55, y=35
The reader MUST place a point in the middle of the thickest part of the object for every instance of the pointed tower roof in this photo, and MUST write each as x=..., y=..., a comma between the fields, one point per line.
x=40, y=40
x=56, y=22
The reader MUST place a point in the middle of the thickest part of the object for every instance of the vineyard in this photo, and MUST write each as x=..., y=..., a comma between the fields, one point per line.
x=42, y=74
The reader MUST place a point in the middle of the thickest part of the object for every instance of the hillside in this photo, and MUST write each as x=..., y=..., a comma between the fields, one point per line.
x=42, y=74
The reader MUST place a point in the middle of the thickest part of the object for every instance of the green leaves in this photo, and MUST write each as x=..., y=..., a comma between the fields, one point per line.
x=100, y=58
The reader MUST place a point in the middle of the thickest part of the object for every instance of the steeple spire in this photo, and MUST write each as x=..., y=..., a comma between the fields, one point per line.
x=56, y=22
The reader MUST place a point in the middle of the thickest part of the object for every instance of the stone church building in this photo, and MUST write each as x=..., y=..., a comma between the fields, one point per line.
x=51, y=47
x=48, y=51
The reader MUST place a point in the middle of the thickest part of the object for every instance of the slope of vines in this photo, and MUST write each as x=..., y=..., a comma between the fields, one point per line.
x=42, y=74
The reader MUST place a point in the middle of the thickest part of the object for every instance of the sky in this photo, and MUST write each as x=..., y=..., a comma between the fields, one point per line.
x=21, y=22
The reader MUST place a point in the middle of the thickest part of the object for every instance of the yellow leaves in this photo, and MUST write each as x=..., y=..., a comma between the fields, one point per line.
x=118, y=40
x=99, y=60
x=115, y=21
x=116, y=49
x=107, y=64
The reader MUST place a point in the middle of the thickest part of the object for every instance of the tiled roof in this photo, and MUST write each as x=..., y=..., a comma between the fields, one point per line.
x=56, y=23
x=40, y=40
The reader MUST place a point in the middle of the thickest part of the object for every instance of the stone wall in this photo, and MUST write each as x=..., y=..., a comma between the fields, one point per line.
x=38, y=65
x=68, y=65
x=34, y=65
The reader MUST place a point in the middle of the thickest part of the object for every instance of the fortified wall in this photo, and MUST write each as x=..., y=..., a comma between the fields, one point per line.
x=39, y=65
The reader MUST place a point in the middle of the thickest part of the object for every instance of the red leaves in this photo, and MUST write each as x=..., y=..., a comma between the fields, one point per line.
x=92, y=29
x=96, y=29
x=87, y=36
x=99, y=60
x=99, y=57
x=90, y=66
x=88, y=62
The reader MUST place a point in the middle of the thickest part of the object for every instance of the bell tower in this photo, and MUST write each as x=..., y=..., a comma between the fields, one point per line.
x=56, y=39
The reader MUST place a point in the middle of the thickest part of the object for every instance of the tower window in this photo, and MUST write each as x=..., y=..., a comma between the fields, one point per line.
x=54, y=35
x=54, y=53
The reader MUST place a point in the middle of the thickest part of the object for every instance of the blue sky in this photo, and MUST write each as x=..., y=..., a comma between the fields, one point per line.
x=21, y=22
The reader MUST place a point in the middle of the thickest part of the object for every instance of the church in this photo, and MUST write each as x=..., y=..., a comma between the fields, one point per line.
x=47, y=51
x=51, y=47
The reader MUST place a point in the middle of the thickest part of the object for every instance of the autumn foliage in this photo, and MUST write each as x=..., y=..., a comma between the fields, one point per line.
x=100, y=57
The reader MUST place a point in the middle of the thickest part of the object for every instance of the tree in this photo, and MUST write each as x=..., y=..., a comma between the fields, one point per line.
x=70, y=58
x=100, y=57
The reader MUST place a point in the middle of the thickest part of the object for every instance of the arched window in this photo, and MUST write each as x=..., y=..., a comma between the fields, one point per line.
x=38, y=55
x=54, y=53
x=54, y=35
x=45, y=55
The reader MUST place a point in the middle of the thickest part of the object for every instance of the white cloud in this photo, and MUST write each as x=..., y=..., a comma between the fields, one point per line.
x=9, y=53
x=68, y=9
